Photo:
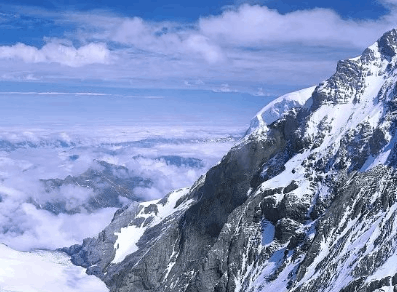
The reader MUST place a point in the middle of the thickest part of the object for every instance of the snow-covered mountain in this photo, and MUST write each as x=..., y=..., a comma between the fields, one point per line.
x=305, y=202
x=55, y=176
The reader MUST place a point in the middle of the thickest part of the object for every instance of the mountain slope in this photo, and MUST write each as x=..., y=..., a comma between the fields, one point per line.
x=305, y=202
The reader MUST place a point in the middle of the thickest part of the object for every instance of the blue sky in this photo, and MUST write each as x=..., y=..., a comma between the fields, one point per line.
x=180, y=10
x=213, y=61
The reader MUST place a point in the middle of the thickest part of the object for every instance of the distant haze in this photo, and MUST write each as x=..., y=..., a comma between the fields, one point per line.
x=128, y=108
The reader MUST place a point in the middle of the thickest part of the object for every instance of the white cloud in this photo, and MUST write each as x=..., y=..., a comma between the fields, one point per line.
x=260, y=26
x=19, y=76
x=26, y=53
x=249, y=46
x=44, y=271
x=388, y=3
x=202, y=45
x=32, y=228
x=93, y=53
x=224, y=88
x=23, y=226
x=197, y=82
x=261, y=92
x=152, y=97
x=52, y=93
x=132, y=31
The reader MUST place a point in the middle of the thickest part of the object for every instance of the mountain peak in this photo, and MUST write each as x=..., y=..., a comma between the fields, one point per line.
x=306, y=202
x=388, y=43
x=347, y=84
x=353, y=76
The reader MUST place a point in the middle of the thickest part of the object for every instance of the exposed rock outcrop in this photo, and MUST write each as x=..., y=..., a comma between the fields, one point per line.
x=306, y=202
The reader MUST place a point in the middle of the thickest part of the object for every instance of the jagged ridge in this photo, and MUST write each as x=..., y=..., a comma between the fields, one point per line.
x=305, y=203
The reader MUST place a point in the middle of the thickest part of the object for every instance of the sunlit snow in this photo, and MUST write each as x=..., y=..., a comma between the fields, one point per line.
x=43, y=271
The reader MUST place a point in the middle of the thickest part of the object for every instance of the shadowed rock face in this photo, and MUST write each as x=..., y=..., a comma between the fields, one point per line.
x=319, y=184
x=192, y=236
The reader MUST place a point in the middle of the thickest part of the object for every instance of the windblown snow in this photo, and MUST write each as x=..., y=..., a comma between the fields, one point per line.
x=279, y=107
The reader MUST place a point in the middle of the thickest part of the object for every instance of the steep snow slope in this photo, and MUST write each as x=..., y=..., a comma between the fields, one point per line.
x=133, y=229
x=305, y=202
x=278, y=108
x=151, y=214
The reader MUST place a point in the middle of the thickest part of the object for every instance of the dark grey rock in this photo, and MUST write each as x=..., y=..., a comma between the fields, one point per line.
x=334, y=227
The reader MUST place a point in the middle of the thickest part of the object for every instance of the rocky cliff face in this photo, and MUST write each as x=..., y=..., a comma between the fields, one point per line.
x=305, y=202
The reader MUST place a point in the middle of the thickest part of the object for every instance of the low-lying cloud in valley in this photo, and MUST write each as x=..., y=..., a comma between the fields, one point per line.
x=59, y=187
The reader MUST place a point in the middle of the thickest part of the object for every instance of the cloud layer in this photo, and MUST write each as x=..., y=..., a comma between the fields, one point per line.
x=45, y=272
x=247, y=47
x=168, y=159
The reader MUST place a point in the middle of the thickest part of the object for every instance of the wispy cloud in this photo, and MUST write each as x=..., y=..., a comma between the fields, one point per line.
x=389, y=3
x=225, y=88
x=51, y=93
x=261, y=92
x=259, y=26
x=247, y=46
x=19, y=76
x=57, y=93
x=153, y=97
